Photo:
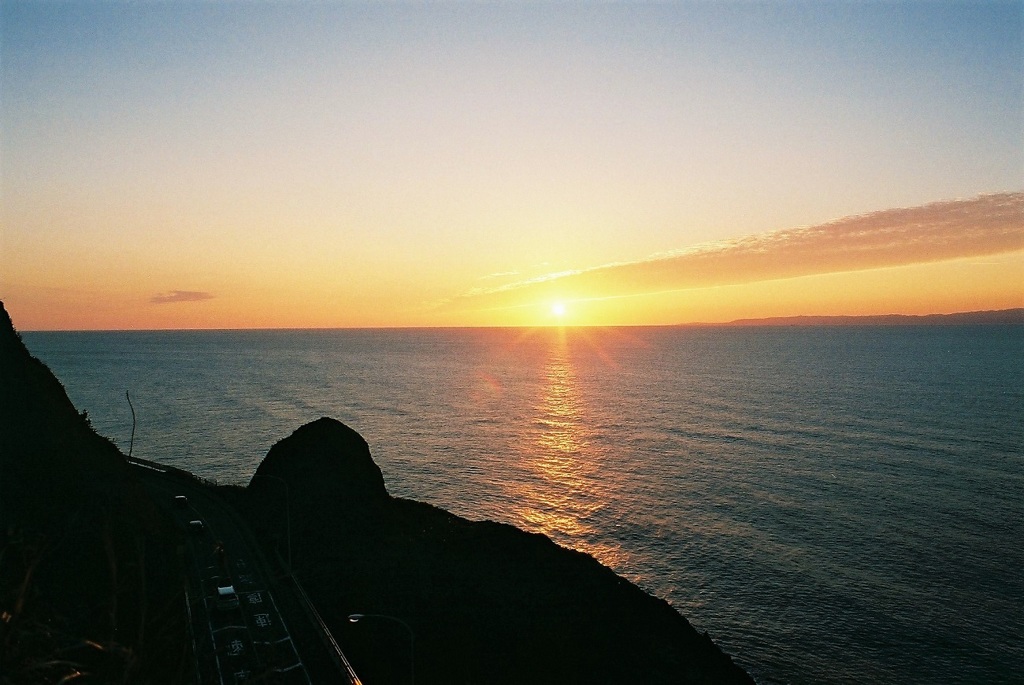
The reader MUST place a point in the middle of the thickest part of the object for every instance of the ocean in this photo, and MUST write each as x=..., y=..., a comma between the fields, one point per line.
x=831, y=504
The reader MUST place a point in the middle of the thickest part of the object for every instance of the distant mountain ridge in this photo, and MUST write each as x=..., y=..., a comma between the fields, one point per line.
x=1000, y=316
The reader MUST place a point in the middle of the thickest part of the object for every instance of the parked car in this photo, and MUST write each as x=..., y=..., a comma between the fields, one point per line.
x=227, y=598
x=180, y=501
x=196, y=526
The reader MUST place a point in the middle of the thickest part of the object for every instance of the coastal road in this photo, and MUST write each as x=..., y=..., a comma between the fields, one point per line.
x=273, y=635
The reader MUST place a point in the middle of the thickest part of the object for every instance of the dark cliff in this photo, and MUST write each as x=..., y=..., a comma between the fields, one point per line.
x=88, y=568
x=90, y=584
x=487, y=603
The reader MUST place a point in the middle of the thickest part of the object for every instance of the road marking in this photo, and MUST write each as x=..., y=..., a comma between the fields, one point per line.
x=231, y=647
x=223, y=628
x=288, y=668
x=291, y=642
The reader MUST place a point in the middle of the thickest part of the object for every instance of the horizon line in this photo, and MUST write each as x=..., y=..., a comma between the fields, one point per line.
x=787, y=320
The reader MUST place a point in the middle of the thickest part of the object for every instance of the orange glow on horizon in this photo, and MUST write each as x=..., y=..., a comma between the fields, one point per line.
x=297, y=301
x=973, y=284
x=393, y=168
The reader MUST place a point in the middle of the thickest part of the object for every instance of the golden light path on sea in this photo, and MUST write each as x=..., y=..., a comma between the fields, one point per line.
x=566, y=491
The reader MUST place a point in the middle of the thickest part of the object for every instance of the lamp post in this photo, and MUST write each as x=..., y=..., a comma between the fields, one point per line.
x=355, y=618
x=287, y=515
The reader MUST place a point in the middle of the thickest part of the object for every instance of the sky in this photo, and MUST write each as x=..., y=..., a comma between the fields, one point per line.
x=330, y=164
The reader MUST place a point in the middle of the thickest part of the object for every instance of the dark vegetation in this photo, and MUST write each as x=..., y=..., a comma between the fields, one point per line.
x=89, y=583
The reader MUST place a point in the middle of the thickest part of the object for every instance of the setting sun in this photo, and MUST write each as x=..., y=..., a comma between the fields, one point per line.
x=436, y=215
x=653, y=307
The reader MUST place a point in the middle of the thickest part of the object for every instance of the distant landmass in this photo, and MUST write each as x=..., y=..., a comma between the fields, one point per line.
x=1001, y=316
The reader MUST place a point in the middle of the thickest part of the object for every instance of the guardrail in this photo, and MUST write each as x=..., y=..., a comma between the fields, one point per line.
x=192, y=635
x=328, y=637
x=169, y=470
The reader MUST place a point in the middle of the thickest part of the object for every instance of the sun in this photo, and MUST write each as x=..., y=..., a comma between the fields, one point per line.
x=558, y=309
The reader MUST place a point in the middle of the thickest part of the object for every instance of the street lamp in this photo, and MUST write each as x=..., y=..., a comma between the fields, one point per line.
x=287, y=515
x=355, y=618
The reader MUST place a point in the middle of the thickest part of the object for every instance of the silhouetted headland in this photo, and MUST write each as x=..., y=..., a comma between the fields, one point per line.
x=488, y=603
x=90, y=573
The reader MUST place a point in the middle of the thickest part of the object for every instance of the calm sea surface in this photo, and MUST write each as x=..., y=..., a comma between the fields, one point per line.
x=833, y=505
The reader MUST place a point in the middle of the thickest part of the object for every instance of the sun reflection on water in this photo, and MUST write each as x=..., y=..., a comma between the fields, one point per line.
x=563, y=491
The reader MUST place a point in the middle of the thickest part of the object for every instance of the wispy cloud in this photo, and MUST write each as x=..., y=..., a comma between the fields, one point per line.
x=985, y=225
x=180, y=296
x=499, y=274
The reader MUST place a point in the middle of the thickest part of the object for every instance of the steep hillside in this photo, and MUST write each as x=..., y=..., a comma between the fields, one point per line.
x=88, y=566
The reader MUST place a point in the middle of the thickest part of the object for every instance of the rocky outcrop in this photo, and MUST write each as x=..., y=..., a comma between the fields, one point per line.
x=325, y=461
x=487, y=603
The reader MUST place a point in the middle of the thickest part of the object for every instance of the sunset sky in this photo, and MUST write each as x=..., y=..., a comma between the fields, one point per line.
x=235, y=165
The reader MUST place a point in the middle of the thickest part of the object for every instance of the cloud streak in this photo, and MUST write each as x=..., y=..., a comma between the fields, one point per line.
x=180, y=296
x=985, y=225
